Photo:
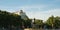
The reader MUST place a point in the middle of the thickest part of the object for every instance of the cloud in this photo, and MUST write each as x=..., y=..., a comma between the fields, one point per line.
x=40, y=11
x=27, y=7
x=43, y=14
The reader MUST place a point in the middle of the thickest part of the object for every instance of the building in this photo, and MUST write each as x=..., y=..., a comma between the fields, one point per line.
x=23, y=15
x=37, y=23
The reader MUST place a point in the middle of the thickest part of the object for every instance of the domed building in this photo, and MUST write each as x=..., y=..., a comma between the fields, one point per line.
x=23, y=15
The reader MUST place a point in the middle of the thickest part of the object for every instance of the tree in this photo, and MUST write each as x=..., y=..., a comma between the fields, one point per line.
x=7, y=18
x=27, y=23
x=57, y=22
x=51, y=21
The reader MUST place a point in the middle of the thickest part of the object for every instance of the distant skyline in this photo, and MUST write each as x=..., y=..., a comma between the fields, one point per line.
x=39, y=9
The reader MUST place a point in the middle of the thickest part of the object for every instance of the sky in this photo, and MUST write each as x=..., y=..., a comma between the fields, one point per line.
x=39, y=9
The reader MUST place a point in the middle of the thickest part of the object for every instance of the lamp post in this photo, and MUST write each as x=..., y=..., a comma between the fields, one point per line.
x=34, y=23
x=34, y=20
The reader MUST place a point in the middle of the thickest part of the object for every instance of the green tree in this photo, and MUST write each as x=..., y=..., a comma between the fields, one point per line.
x=57, y=22
x=7, y=18
x=27, y=23
x=51, y=21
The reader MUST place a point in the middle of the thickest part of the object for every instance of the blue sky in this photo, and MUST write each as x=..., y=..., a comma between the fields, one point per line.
x=40, y=9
